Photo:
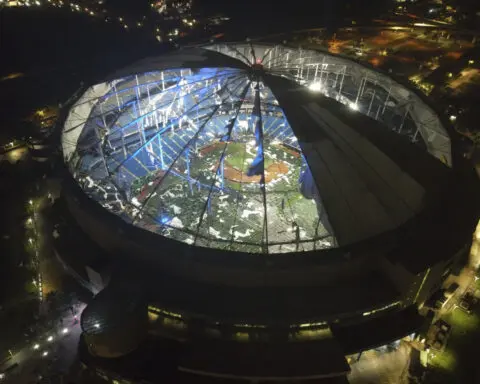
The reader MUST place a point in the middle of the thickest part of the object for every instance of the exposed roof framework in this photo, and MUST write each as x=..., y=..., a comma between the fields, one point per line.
x=204, y=153
x=364, y=89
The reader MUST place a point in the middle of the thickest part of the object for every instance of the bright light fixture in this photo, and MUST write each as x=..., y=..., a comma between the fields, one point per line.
x=453, y=117
x=45, y=353
x=97, y=325
x=353, y=106
x=50, y=338
x=65, y=331
x=36, y=346
x=315, y=87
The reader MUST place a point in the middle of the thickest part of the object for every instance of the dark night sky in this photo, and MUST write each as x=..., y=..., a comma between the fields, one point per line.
x=295, y=12
x=264, y=16
x=306, y=9
x=69, y=43
x=299, y=9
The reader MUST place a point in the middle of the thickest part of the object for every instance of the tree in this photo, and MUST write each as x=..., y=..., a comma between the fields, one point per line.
x=31, y=288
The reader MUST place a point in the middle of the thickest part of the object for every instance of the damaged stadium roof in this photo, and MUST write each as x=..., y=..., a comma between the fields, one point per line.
x=258, y=149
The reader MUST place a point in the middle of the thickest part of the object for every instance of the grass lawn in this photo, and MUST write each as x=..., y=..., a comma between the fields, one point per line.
x=235, y=185
x=293, y=198
x=477, y=283
x=459, y=362
x=446, y=360
x=462, y=322
x=236, y=157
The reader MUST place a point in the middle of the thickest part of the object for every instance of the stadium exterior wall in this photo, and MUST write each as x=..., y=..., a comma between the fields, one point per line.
x=121, y=239
x=117, y=342
x=124, y=241
x=416, y=288
x=117, y=328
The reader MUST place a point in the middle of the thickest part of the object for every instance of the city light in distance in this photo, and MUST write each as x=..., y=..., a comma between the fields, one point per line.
x=94, y=11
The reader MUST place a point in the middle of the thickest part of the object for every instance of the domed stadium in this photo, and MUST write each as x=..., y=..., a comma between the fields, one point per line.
x=205, y=154
x=257, y=194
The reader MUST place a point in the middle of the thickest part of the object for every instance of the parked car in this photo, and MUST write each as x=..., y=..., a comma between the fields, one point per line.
x=437, y=345
x=467, y=301
x=437, y=299
x=451, y=289
x=441, y=336
x=465, y=306
x=443, y=325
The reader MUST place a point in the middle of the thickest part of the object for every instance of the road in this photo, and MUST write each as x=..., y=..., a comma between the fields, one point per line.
x=382, y=368
x=52, y=353
x=45, y=356
x=49, y=270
